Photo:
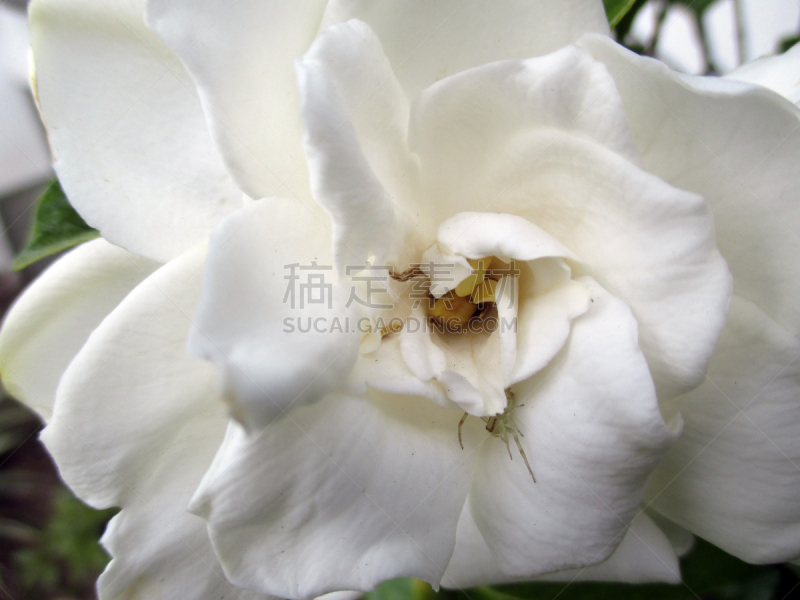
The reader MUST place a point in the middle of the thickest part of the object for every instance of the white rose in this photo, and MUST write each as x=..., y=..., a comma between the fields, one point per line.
x=595, y=169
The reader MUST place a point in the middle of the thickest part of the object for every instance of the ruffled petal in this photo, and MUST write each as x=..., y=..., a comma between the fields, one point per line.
x=346, y=89
x=733, y=476
x=129, y=137
x=387, y=371
x=344, y=493
x=52, y=320
x=648, y=243
x=269, y=311
x=240, y=57
x=136, y=424
x=101, y=440
x=159, y=550
x=643, y=556
x=592, y=432
x=738, y=146
x=780, y=73
x=428, y=41
x=464, y=122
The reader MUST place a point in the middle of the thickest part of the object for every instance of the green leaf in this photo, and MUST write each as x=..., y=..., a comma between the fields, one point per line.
x=67, y=555
x=56, y=227
x=616, y=9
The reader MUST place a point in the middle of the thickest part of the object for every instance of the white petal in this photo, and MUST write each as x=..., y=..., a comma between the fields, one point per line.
x=266, y=324
x=24, y=158
x=387, y=371
x=548, y=302
x=373, y=101
x=129, y=138
x=643, y=556
x=478, y=235
x=344, y=74
x=136, y=424
x=159, y=550
x=738, y=146
x=345, y=493
x=98, y=436
x=733, y=476
x=240, y=56
x=779, y=73
x=427, y=41
x=53, y=318
x=592, y=434
x=650, y=244
x=567, y=90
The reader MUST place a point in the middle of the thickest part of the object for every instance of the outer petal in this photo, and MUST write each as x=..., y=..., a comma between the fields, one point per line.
x=738, y=146
x=24, y=159
x=159, y=550
x=51, y=321
x=240, y=55
x=267, y=317
x=592, y=433
x=779, y=73
x=128, y=134
x=733, y=476
x=427, y=41
x=136, y=424
x=345, y=493
x=643, y=556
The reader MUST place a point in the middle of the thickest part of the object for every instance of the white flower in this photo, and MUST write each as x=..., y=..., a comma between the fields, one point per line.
x=596, y=170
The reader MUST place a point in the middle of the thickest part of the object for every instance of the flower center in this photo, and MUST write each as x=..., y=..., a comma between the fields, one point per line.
x=471, y=296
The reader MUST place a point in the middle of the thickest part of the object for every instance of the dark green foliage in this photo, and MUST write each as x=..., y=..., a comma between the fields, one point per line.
x=67, y=556
x=56, y=227
x=708, y=573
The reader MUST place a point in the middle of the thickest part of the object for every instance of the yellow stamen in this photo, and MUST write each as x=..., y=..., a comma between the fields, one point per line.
x=453, y=310
x=479, y=268
x=485, y=292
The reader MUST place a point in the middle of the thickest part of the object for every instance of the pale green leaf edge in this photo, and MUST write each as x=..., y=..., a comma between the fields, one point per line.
x=616, y=9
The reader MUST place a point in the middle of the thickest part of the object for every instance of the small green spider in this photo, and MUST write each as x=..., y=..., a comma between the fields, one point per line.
x=501, y=426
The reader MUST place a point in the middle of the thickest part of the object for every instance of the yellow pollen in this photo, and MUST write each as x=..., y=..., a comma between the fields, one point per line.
x=485, y=292
x=459, y=305
x=453, y=310
x=479, y=267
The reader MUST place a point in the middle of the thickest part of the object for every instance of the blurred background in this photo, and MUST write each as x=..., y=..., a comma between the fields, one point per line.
x=49, y=540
